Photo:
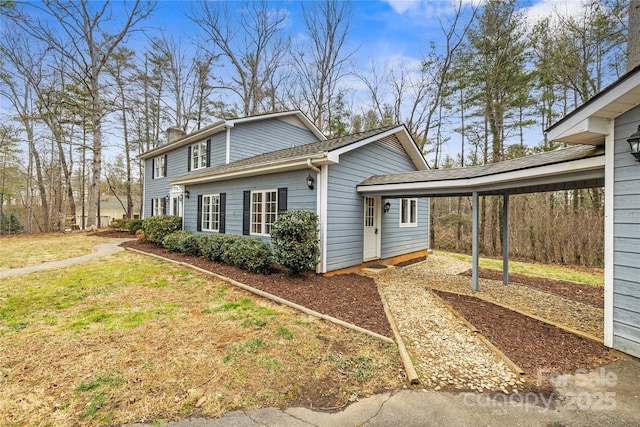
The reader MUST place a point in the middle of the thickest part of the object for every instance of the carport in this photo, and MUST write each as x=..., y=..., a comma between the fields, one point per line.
x=570, y=168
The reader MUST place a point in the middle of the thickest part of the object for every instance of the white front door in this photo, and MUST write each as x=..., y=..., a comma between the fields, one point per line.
x=176, y=205
x=371, y=228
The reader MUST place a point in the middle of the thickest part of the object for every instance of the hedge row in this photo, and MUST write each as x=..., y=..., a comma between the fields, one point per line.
x=126, y=224
x=250, y=254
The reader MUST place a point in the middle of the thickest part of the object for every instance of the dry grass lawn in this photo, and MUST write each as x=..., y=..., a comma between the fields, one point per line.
x=131, y=338
x=24, y=250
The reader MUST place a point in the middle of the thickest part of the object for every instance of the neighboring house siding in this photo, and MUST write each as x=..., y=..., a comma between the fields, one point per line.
x=299, y=196
x=626, y=239
x=251, y=139
x=345, y=205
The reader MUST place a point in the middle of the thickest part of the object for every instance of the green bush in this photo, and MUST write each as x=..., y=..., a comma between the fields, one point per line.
x=295, y=241
x=10, y=224
x=157, y=227
x=250, y=254
x=189, y=244
x=134, y=225
x=173, y=241
x=211, y=245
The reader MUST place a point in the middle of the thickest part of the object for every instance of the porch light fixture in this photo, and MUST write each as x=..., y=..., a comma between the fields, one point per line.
x=186, y=193
x=387, y=207
x=310, y=182
x=634, y=142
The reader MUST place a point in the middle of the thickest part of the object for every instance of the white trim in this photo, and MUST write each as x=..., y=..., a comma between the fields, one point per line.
x=609, y=104
x=144, y=187
x=321, y=208
x=407, y=224
x=377, y=219
x=263, y=223
x=253, y=170
x=506, y=179
x=608, y=235
x=211, y=213
x=228, y=145
x=202, y=151
x=589, y=130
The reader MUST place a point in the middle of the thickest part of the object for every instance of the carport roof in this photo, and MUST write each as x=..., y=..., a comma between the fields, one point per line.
x=578, y=166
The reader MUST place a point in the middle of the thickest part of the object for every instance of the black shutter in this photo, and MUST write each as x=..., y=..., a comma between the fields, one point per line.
x=246, y=212
x=164, y=205
x=152, y=201
x=164, y=170
x=208, y=152
x=282, y=200
x=189, y=159
x=223, y=213
x=199, y=226
x=153, y=168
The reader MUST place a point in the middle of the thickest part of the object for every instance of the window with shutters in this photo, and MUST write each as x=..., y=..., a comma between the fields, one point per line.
x=159, y=167
x=408, y=212
x=199, y=155
x=211, y=212
x=264, y=211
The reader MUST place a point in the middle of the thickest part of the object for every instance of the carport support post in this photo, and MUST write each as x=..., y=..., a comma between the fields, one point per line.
x=474, y=244
x=505, y=240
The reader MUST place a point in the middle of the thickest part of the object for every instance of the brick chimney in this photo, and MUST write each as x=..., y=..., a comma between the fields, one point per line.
x=174, y=133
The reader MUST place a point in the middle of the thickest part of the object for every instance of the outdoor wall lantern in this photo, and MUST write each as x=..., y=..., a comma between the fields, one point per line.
x=186, y=193
x=310, y=182
x=387, y=207
x=634, y=142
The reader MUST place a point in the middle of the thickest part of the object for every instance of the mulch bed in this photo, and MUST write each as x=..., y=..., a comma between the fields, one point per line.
x=349, y=297
x=587, y=294
x=529, y=343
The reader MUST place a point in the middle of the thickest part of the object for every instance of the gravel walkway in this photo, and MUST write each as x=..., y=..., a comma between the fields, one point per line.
x=448, y=354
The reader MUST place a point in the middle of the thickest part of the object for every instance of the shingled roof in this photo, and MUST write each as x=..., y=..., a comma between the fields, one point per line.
x=547, y=158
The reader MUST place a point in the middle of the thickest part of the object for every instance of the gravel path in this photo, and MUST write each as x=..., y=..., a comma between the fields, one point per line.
x=448, y=354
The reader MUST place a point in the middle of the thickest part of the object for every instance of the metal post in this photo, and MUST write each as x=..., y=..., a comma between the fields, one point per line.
x=505, y=240
x=475, y=245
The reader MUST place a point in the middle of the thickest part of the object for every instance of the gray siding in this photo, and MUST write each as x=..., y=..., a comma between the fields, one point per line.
x=159, y=187
x=251, y=139
x=626, y=239
x=299, y=196
x=218, y=149
x=345, y=207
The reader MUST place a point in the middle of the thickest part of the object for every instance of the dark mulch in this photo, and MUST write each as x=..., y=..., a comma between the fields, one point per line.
x=529, y=343
x=580, y=292
x=349, y=297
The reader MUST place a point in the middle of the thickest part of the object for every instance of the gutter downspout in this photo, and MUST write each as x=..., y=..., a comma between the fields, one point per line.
x=322, y=215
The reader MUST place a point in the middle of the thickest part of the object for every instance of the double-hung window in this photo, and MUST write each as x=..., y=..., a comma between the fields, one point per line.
x=158, y=206
x=198, y=155
x=160, y=167
x=264, y=211
x=408, y=212
x=211, y=212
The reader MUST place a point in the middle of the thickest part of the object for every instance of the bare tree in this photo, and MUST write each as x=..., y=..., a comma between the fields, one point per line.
x=86, y=36
x=250, y=40
x=322, y=63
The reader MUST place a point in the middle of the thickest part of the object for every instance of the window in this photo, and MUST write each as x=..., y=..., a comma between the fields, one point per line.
x=158, y=206
x=264, y=211
x=211, y=212
x=198, y=157
x=160, y=167
x=408, y=212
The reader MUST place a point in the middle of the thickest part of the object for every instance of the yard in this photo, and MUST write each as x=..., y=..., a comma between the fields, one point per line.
x=131, y=338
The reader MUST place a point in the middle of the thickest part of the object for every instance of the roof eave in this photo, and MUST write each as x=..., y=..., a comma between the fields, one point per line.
x=255, y=170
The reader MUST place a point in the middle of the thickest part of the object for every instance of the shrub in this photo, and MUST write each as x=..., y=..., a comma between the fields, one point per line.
x=10, y=224
x=134, y=225
x=250, y=254
x=189, y=244
x=157, y=227
x=173, y=241
x=211, y=245
x=295, y=241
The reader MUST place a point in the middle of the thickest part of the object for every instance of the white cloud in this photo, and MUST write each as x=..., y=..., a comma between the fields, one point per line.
x=551, y=8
